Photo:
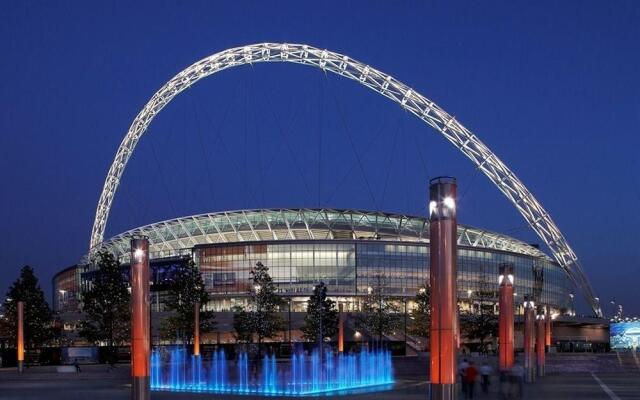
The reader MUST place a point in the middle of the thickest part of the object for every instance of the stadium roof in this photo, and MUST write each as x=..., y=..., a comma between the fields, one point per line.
x=176, y=236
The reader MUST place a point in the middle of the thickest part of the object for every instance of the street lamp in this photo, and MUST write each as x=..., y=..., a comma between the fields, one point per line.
x=61, y=298
x=405, y=325
x=289, y=319
x=573, y=308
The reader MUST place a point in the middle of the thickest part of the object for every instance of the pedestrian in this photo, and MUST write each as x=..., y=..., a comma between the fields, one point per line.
x=517, y=375
x=505, y=384
x=470, y=376
x=77, y=365
x=462, y=369
x=485, y=373
x=112, y=361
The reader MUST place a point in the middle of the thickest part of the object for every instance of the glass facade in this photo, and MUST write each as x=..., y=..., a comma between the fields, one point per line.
x=346, y=249
x=349, y=268
x=66, y=293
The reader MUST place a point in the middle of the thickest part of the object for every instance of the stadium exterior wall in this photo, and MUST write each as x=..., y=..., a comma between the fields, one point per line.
x=346, y=249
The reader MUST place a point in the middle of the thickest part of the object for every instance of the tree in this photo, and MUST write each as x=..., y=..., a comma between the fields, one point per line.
x=107, y=304
x=480, y=323
x=37, y=314
x=261, y=318
x=421, y=314
x=379, y=315
x=321, y=320
x=479, y=326
x=242, y=325
x=5, y=331
x=185, y=289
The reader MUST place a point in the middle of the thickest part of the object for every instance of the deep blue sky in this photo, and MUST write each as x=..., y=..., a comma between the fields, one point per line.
x=553, y=88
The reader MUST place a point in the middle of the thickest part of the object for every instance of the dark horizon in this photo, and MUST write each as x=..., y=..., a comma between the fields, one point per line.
x=551, y=88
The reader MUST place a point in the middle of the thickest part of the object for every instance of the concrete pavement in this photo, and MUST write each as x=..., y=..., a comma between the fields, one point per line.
x=96, y=382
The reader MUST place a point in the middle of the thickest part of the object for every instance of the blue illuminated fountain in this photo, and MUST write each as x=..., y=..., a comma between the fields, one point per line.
x=303, y=374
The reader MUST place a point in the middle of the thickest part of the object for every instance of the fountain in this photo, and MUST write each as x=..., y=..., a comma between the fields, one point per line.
x=301, y=375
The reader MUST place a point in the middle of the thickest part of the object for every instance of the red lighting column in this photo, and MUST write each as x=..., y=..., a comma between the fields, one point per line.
x=547, y=331
x=340, y=329
x=140, y=318
x=20, y=339
x=540, y=342
x=196, y=329
x=444, y=329
x=529, y=336
x=505, y=325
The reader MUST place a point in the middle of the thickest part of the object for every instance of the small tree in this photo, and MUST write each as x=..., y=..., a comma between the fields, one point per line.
x=262, y=319
x=321, y=320
x=185, y=289
x=379, y=315
x=107, y=304
x=481, y=324
x=421, y=314
x=37, y=314
x=5, y=330
x=242, y=324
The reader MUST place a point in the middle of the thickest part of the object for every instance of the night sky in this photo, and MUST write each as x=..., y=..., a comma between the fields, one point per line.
x=553, y=88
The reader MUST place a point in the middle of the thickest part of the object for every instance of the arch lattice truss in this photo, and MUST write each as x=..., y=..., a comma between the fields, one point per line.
x=468, y=143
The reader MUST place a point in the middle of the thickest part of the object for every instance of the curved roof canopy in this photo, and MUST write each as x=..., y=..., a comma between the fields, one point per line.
x=177, y=236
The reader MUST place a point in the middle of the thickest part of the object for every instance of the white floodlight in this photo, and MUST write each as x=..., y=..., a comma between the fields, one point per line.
x=432, y=206
x=449, y=202
x=138, y=255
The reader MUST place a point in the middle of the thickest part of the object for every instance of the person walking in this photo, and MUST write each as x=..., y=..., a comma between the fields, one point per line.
x=470, y=376
x=485, y=373
x=77, y=365
x=462, y=370
x=517, y=378
x=505, y=384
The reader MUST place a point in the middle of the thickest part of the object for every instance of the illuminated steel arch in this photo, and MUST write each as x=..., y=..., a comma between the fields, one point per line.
x=469, y=144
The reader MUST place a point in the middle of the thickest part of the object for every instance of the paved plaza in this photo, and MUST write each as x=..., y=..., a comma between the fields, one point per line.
x=96, y=382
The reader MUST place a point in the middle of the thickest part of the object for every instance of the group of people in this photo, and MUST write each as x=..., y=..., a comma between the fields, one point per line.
x=469, y=375
x=511, y=381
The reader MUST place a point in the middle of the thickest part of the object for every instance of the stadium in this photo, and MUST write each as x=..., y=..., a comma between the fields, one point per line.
x=345, y=249
x=348, y=250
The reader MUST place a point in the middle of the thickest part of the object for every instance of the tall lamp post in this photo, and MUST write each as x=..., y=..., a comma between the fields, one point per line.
x=340, y=328
x=573, y=307
x=444, y=328
x=61, y=299
x=547, y=329
x=20, y=344
x=529, y=334
x=405, y=325
x=140, y=318
x=289, y=320
x=196, y=329
x=540, y=341
x=505, y=328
